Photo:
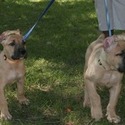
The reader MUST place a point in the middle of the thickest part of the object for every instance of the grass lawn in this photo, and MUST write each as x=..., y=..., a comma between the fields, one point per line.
x=54, y=67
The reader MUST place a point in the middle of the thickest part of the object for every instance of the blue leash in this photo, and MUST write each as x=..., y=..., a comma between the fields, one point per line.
x=25, y=37
x=107, y=18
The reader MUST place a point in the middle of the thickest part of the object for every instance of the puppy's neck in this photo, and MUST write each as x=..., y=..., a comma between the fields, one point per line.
x=102, y=61
x=10, y=61
x=105, y=65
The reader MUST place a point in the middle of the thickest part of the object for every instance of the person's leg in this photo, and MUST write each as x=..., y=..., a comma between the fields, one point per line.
x=101, y=16
x=118, y=14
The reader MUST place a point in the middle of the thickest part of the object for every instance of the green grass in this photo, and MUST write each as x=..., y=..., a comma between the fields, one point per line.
x=54, y=67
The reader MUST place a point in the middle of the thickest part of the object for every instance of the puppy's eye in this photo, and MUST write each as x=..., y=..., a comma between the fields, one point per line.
x=12, y=43
x=120, y=54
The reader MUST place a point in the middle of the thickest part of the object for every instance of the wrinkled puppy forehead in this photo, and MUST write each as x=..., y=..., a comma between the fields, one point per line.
x=11, y=32
x=121, y=44
x=120, y=39
x=11, y=35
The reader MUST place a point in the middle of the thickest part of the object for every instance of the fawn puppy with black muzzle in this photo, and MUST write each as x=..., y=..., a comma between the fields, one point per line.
x=104, y=66
x=12, y=68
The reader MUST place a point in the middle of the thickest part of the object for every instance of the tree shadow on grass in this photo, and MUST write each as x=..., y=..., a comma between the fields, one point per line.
x=62, y=35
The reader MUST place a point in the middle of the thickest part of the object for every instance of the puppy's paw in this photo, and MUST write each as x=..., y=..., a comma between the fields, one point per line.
x=86, y=103
x=6, y=116
x=24, y=101
x=113, y=119
x=96, y=114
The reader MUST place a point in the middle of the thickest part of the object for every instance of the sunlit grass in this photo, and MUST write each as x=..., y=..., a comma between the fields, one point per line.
x=35, y=0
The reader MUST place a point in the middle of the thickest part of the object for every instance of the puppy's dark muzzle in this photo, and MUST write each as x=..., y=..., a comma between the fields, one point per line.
x=122, y=66
x=22, y=52
x=19, y=54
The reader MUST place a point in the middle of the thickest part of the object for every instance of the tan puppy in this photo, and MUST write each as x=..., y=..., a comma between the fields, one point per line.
x=104, y=65
x=11, y=68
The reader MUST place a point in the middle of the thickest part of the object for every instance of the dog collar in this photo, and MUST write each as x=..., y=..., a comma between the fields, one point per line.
x=5, y=57
x=10, y=61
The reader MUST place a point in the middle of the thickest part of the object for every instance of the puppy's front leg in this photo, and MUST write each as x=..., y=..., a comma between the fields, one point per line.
x=96, y=109
x=86, y=102
x=3, y=105
x=20, y=92
x=111, y=114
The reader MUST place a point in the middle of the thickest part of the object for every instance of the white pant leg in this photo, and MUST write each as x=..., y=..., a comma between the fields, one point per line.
x=101, y=14
x=119, y=14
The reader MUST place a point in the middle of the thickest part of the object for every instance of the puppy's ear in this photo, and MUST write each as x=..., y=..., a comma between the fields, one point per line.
x=18, y=31
x=2, y=37
x=109, y=43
